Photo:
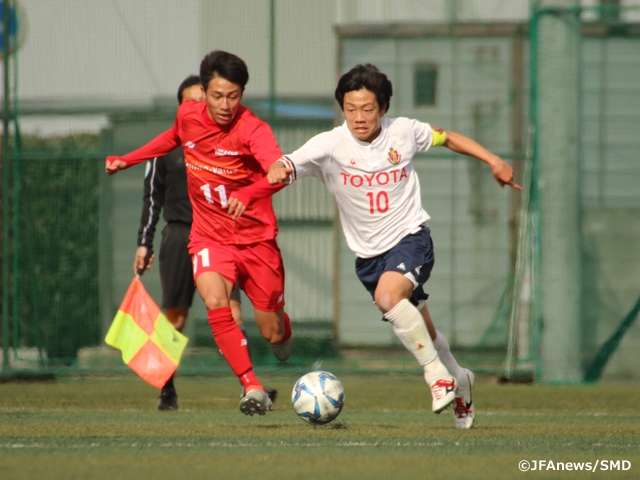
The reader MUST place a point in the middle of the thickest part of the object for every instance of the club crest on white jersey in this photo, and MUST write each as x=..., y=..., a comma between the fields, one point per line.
x=394, y=156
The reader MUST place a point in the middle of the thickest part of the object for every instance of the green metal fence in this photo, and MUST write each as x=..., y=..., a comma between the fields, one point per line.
x=584, y=192
x=540, y=283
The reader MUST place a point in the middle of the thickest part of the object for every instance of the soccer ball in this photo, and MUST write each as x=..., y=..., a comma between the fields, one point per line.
x=318, y=397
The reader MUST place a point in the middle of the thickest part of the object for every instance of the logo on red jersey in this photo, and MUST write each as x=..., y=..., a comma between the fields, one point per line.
x=190, y=145
x=394, y=156
x=226, y=153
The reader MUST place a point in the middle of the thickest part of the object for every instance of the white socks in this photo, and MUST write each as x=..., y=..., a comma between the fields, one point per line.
x=409, y=327
x=444, y=352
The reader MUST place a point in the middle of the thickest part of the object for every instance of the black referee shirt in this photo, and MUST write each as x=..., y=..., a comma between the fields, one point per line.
x=165, y=189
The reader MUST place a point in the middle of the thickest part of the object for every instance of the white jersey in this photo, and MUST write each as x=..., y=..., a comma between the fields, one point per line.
x=374, y=184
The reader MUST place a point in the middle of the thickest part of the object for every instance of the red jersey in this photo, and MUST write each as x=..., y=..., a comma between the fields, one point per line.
x=220, y=160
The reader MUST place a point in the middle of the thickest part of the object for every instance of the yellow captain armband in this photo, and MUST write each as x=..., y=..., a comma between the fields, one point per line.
x=439, y=137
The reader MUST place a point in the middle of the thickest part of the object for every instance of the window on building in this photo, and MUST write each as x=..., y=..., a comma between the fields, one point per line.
x=425, y=76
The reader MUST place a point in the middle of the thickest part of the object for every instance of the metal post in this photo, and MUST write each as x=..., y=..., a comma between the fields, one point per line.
x=272, y=61
x=558, y=145
x=6, y=173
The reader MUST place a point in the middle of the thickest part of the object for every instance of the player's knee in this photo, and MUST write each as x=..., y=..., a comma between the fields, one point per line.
x=386, y=300
x=213, y=302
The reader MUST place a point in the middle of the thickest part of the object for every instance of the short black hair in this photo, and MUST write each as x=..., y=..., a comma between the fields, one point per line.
x=365, y=76
x=190, y=81
x=225, y=65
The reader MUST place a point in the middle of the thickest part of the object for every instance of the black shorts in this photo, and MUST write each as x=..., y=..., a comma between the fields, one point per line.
x=412, y=257
x=176, y=268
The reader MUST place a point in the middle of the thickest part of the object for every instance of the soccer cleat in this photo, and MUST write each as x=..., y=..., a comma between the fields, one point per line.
x=272, y=393
x=443, y=392
x=464, y=412
x=168, y=399
x=282, y=351
x=255, y=401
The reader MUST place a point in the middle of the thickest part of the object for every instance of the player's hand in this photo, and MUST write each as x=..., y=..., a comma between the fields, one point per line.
x=235, y=207
x=144, y=259
x=279, y=173
x=114, y=165
x=503, y=173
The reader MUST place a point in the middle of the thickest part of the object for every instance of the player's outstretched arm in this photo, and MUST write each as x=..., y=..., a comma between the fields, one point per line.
x=114, y=165
x=279, y=172
x=161, y=145
x=502, y=171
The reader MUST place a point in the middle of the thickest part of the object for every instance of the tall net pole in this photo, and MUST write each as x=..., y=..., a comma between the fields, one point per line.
x=6, y=166
x=557, y=154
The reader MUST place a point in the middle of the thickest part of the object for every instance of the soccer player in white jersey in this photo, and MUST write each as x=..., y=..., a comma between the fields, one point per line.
x=366, y=163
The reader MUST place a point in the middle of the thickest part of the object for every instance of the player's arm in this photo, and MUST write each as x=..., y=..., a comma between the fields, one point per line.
x=241, y=198
x=308, y=160
x=152, y=203
x=502, y=171
x=265, y=149
x=161, y=145
x=280, y=172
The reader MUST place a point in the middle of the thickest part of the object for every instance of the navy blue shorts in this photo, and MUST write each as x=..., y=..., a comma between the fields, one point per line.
x=412, y=257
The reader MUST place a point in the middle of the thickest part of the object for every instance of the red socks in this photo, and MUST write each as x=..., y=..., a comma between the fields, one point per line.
x=287, y=328
x=232, y=344
x=249, y=381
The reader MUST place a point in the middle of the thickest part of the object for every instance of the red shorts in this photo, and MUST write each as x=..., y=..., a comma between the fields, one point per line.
x=257, y=268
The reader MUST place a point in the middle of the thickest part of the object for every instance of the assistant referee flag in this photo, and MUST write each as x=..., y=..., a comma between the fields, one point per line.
x=150, y=344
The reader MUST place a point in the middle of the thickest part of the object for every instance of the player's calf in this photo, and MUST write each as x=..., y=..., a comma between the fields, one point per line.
x=283, y=351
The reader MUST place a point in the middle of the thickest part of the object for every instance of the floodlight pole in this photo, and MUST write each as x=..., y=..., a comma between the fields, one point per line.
x=6, y=166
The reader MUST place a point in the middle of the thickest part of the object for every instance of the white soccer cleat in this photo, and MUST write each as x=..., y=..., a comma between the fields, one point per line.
x=256, y=401
x=464, y=412
x=443, y=392
x=282, y=351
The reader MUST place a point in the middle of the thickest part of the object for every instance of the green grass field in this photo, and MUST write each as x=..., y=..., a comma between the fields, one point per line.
x=109, y=428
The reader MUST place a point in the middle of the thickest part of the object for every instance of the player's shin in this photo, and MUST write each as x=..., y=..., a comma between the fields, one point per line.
x=444, y=353
x=233, y=345
x=283, y=350
x=410, y=328
x=246, y=337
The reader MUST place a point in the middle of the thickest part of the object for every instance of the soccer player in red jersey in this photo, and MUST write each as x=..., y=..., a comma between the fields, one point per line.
x=226, y=149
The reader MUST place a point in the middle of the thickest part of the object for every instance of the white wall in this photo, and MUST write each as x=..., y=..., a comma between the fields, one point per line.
x=115, y=51
x=124, y=51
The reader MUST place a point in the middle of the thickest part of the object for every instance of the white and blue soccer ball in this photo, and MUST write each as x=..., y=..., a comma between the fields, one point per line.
x=318, y=397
